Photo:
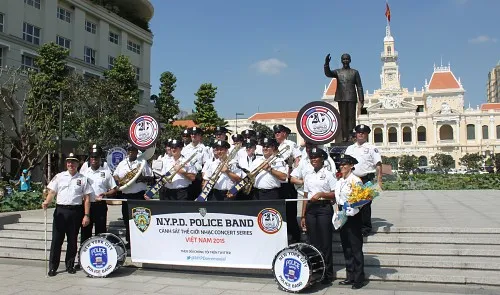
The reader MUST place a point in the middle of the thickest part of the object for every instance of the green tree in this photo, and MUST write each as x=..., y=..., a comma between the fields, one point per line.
x=496, y=160
x=264, y=129
x=168, y=107
x=101, y=110
x=393, y=161
x=32, y=107
x=407, y=163
x=443, y=162
x=205, y=114
x=472, y=161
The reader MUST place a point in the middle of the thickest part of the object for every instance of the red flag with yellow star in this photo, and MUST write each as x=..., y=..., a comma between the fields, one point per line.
x=387, y=12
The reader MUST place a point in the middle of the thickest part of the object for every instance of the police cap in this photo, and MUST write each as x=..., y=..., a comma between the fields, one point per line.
x=362, y=128
x=347, y=159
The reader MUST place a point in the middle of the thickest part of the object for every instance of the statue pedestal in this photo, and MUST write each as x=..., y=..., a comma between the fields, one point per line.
x=337, y=149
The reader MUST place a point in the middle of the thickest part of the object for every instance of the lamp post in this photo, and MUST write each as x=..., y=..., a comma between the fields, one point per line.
x=60, y=161
x=238, y=114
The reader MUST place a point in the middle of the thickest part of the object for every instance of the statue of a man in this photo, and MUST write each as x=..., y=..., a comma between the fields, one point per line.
x=348, y=81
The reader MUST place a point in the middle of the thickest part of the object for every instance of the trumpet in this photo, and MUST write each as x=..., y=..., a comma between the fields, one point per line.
x=168, y=177
x=248, y=181
x=211, y=182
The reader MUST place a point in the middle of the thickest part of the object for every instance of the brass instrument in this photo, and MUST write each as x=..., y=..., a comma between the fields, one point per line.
x=247, y=183
x=211, y=182
x=133, y=174
x=128, y=177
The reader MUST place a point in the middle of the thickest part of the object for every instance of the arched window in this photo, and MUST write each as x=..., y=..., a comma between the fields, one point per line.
x=406, y=134
x=422, y=161
x=378, y=135
x=445, y=132
x=498, y=131
x=421, y=134
x=471, y=132
x=389, y=50
x=393, y=134
x=485, y=131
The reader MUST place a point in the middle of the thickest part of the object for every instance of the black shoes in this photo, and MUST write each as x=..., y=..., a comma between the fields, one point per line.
x=77, y=266
x=52, y=273
x=326, y=281
x=356, y=286
x=71, y=270
x=346, y=282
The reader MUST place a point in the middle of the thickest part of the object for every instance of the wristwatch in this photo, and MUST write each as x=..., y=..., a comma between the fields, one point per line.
x=88, y=215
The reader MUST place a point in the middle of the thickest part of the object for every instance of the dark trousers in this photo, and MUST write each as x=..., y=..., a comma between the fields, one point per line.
x=136, y=196
x=288, y=191
x=267, y=194
x=67, y=222
x=179, y=194
x=347, y=110
x=195, y=187
x=366, y=210
x=352, y=244
x=217, y=195
x=320, y=229
x=98, y=217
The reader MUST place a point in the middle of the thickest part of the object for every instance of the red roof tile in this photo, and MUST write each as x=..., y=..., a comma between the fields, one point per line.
x=185, y=123
x=490, y=106
x=273, y=116
x=332, y=87
x=443, y=80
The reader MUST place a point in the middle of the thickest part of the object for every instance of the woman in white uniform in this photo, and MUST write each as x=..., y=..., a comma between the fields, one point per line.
x=350, y=233
x=317, y=213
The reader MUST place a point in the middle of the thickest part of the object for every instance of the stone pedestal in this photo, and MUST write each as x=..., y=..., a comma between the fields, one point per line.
x=337, y=149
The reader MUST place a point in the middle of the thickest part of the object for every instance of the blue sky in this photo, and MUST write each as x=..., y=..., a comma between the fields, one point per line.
x=268, y=56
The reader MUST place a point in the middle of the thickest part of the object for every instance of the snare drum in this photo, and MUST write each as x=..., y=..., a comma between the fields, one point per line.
x=298, y=266
x=101, y=255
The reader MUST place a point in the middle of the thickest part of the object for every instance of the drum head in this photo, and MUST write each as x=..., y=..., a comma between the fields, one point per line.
x=98, y=257
x=291, y=269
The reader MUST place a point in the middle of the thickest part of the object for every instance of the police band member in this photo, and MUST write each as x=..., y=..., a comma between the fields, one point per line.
x=350, y=233
x=268, y=182
x=292, y=158
x=199, y=160
x=104, y=186
x=220, y=134
x=229, y=176
x=186, y=136
x=86, y=164
x=245, y=162
x=177, y=189
x=237, y=141
x=137, y=189
x=259, y=136
x=369, y=163
x=72, y=191
x=317, y=213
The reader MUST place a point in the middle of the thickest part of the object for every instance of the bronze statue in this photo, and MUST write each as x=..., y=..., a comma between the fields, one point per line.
x=348, y=81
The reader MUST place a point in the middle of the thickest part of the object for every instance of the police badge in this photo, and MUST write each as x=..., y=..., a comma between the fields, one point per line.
x=203, y=211
x=141, y=217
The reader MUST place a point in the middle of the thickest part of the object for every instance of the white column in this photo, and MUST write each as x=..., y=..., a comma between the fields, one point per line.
x=414, y=133
x=479, y=133
x=399, y=133
x=436, y=140
x=491, y=129
x=458, y=131
x=385, y=135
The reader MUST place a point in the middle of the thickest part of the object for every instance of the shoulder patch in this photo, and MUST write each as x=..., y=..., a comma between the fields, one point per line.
x=375, y=150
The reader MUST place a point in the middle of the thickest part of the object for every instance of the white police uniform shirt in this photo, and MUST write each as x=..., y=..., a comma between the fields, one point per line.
x=85, y=167
x=126, y=166
x=224, y=182
x=319, y=181
x=178, y=181
x=367, y=155
x=293, y=151
x=70, y=189
x=304, y=168
x=344, y=187
x=200, y=159
x=101, y=181
x=265, y=180
x=245, y=161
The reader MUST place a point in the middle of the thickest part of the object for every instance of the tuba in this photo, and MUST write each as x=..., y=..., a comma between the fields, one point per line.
x=133, y=174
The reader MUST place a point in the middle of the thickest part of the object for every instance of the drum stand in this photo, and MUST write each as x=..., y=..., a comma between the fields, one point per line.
x=46, y=261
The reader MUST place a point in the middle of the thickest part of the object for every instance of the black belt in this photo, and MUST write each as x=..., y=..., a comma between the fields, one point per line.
x=101, y=202
x=69, y=206
x=222, y=191
x=320, y=203
x=368, y=177
x=176, y=189
x=266, y=189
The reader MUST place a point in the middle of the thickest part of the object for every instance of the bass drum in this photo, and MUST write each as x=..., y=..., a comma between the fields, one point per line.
x=101, y=255
x=298, y=267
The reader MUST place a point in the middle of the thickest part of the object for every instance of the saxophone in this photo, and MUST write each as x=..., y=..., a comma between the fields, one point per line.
x=248, y=181
x=211, y=182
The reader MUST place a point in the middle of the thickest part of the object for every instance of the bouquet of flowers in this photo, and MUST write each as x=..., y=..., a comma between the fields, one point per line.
x=361, y=194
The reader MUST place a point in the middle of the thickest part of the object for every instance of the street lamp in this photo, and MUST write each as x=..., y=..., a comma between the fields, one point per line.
x=238, y=114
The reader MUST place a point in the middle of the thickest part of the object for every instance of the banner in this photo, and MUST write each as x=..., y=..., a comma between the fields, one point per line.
x=239, y=234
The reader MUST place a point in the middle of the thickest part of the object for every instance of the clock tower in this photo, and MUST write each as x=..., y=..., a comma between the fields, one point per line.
x=389, y=78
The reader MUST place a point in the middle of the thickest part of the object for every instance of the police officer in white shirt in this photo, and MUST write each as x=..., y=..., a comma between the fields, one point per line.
x=186, y=136
x=237, y=141
x=104, y=186
x=199, y=161
x=230, y=173
x=268, y=182
x=245, y=162
x=86, y=164
x=350, y=233
x=72, y=191
x=137, y=189
x=292, y=158
x=220, y=134
x=177, y=190
x=317, y=213
x=369, y=163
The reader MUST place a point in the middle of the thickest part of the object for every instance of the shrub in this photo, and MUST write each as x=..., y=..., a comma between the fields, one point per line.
x=443, y=182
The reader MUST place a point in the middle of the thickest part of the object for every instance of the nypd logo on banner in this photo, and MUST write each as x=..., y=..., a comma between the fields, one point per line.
x=242, y=234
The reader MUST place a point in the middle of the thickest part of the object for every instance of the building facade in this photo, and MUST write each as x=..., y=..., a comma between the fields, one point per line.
x=493, y=85
x=420, y=122
x=94, y=36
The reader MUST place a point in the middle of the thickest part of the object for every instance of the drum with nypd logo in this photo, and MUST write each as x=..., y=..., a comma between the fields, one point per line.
x=101, y=255
x=318, y=122
x=298, y=267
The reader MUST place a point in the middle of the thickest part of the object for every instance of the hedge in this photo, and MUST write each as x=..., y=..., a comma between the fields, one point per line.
x=443, y=182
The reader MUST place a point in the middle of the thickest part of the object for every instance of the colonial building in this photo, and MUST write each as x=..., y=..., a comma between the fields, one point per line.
x=420, y=122
x=493, y=85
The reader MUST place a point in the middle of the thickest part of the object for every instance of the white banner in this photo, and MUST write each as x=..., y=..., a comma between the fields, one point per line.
x=242, y=234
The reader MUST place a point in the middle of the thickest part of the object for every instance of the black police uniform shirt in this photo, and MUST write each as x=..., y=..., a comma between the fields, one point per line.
x=70, y=189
